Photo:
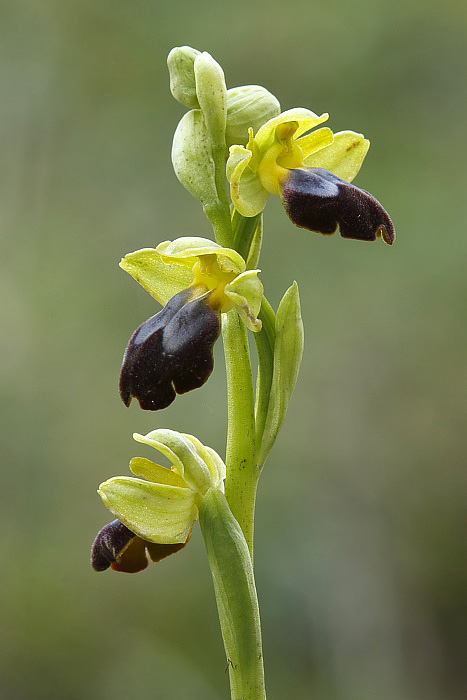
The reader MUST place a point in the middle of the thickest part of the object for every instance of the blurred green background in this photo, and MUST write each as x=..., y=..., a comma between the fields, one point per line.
x=361, y=513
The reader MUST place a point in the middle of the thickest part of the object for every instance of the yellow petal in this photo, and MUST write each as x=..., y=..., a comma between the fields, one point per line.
x=305, y=118
x=343, y=157
x=313, y=142
x=151, y=471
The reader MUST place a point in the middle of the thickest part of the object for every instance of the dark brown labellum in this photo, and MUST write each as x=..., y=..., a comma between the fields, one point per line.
x=117, y=547
x=171, y=353
x=109, y=545
x=317, y=200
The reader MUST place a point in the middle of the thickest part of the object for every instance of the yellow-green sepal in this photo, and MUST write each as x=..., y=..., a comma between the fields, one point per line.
x=212, y=460
x=145, y=469
x=160, y=279
x=187, y=250
x=156, y=512
x=246, y=190
x=246, y=293
x=184, y=454
x=288, y=351
x=343, y=157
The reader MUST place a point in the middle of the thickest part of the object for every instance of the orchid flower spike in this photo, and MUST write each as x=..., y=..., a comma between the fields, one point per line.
x=311, y=171
x=172, y=352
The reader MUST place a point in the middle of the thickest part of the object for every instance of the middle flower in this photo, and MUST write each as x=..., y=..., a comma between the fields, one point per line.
x=172, y=352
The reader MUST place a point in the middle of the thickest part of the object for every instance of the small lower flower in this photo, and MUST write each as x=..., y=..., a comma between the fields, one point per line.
x=156, y=512
x=172, y=352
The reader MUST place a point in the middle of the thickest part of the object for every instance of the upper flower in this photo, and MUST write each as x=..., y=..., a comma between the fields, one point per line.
x=311, y=173
x=197, y=280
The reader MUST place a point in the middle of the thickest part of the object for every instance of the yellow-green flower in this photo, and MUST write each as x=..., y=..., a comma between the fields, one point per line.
x=311, y=172
x=197, y=280
x=156, y=510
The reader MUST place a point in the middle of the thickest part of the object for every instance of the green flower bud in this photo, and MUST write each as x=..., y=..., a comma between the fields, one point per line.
x=180, y=63
x=248, y=106
x=192, y=160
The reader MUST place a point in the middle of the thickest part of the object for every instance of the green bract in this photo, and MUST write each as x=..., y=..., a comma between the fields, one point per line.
x=163, y=508
x=283, y=144
x=200, y=263
x=288, y=351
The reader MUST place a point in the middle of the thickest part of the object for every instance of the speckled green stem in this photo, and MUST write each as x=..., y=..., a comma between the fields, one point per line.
x=237, y=603
x=227, y=522
x=242, y=472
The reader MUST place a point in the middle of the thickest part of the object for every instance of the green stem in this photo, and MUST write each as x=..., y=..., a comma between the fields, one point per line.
x=242, y=471
x=244, y=229
x=218, y=214
x=225, y=237
x=237, y=603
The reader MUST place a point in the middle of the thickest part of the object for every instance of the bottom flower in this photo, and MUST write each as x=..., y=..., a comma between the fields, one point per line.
x=155, y=514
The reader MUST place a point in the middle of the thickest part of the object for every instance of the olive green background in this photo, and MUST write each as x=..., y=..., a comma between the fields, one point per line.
x=361, y=513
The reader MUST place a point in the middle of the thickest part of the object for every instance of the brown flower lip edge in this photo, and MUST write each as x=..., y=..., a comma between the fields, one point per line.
x=319, y=201
x=116, y=546
x=170, y=353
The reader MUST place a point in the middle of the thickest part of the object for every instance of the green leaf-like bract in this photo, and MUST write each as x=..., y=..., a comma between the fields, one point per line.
x=288, y=350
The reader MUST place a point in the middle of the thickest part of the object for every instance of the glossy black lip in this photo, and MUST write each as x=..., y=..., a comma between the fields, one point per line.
x=170, y=353
x=317, y=200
